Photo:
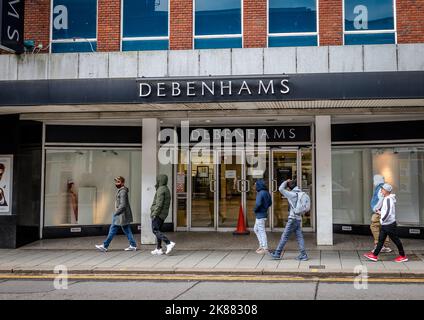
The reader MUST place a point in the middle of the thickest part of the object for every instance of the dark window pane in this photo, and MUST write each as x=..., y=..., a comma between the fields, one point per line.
x=295, y=41
x=145, y=45
x=218, y=17
x=145, y=18
x=219, y=43
x=74, y=47
x=378, y=38
x=369, y=15
x=292, y=16
x=74, y=19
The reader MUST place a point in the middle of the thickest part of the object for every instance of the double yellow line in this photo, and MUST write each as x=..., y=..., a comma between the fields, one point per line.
x=190, y=277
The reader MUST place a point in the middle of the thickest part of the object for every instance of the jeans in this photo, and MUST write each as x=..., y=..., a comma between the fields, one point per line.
x=261, y=233
x=157, y=224
x=389, y=230
x=113, y=230
x=293, y=225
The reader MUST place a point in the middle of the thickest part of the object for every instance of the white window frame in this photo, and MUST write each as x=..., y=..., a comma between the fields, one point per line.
x=143, y=38
x=218, y=36
x=292, y=34
x=394, y=30
x=89, y=40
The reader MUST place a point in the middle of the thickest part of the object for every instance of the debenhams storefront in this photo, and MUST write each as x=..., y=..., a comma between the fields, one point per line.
x=64, y=140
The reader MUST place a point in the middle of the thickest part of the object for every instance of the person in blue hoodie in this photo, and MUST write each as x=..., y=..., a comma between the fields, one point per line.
x=263, y=202
x=376, y=204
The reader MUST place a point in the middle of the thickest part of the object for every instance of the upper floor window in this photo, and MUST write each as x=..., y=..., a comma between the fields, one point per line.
x=292, y=23
x=145, y=25
x=217, y=24
x=369, y=22
x=74, y=26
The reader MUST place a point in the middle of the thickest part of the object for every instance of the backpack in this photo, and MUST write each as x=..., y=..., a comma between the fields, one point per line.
x=303, y=204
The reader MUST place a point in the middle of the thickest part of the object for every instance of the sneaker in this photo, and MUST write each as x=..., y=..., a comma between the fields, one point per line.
x=302, y=258
x=157, y=252
x=401, y=259
x=386, y=250
x=169, y=247
x=371, y=256
x=101, y=247
x=259, y=250
x=130, y=248
x=262, y=251
x=275, y=256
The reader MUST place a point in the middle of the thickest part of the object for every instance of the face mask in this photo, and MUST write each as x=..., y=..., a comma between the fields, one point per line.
x=118, y=186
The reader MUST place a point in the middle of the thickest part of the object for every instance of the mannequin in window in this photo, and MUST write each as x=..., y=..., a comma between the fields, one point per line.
x=74, y=199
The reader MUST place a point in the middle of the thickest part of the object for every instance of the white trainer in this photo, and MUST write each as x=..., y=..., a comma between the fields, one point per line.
x=130, y=248
x=169, y=247
x=386, y=250
x=101, y=247
x=157, y=252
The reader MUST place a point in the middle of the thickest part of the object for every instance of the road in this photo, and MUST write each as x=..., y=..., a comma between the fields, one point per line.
x=204, y=287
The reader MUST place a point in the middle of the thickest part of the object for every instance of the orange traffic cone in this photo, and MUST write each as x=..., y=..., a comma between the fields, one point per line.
x=241, y=227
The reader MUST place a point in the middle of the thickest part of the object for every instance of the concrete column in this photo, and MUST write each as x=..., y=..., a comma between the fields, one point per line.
x=324, y=201
x=149, y=170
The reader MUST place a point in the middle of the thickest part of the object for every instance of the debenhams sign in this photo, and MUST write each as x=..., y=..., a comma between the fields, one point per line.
x=213, y=89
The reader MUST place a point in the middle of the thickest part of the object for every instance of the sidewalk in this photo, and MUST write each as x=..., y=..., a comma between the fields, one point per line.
x=212, y=253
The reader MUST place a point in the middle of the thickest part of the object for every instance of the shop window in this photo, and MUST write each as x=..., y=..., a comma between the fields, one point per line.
x=292, y=23
x=217, y=24
x=353, y=171
x=145, y=25
x=74, y=26
x=80, y=189
x=369, y=22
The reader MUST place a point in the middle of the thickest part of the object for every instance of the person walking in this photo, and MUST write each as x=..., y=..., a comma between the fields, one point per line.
x=388, y=225
x=291, y=191
x=122, y=217
x=158, y=212
x=263, y=202
x=376, y=203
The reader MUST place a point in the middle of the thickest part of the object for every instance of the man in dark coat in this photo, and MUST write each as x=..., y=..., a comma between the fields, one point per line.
x=159, y=211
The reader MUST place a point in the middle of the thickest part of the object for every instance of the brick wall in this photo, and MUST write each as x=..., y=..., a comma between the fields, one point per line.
x=37, y=22
x=410, y=21
x=255, y=23
x=330, y=23
x=181, y=28
x=108, y=28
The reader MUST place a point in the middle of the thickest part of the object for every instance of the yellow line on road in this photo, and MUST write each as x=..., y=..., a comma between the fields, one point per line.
x=188, y=277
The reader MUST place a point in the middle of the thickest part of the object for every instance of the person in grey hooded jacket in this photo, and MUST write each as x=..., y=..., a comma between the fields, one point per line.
x=122, y=217
x=290, y=190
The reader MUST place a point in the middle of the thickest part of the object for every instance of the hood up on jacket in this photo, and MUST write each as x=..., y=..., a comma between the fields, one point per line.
x=161, y=180
x=378, y=179
x=260, y=185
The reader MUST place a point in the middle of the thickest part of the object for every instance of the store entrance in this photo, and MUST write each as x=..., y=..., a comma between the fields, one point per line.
x=214, y=185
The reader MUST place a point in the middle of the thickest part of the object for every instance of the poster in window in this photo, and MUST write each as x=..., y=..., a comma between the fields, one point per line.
x=6, y=174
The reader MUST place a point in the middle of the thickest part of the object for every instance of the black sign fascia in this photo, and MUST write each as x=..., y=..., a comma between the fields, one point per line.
x=12, y=25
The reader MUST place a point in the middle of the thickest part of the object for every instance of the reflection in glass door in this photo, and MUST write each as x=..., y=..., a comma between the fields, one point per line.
x=202, y=190
x=256, y=168
x=230, y=188
x=285, y=166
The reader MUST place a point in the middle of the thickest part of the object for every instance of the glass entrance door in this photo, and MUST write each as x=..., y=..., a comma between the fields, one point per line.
x=203, y=189
x=295, y=164
x=231, y=188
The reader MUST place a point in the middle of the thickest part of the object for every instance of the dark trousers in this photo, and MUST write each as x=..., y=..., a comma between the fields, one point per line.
x=389, y=230
x=157, y=224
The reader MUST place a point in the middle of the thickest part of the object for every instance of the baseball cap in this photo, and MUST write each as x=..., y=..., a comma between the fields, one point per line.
x=120, y=179
x=387, y=187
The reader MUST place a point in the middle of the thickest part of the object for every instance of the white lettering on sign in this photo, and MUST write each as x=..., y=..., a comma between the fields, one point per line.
x=14, y=33
x=176, y=91
x=75, y=229
x=61, y=20
x=346, y=228
x=414, y=231
x=145, y=94
x=361, y=20
x=285, y=85
x=15, y=13
x=262, y=87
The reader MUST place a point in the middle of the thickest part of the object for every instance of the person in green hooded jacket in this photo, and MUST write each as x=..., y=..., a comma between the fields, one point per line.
x=159, y=211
